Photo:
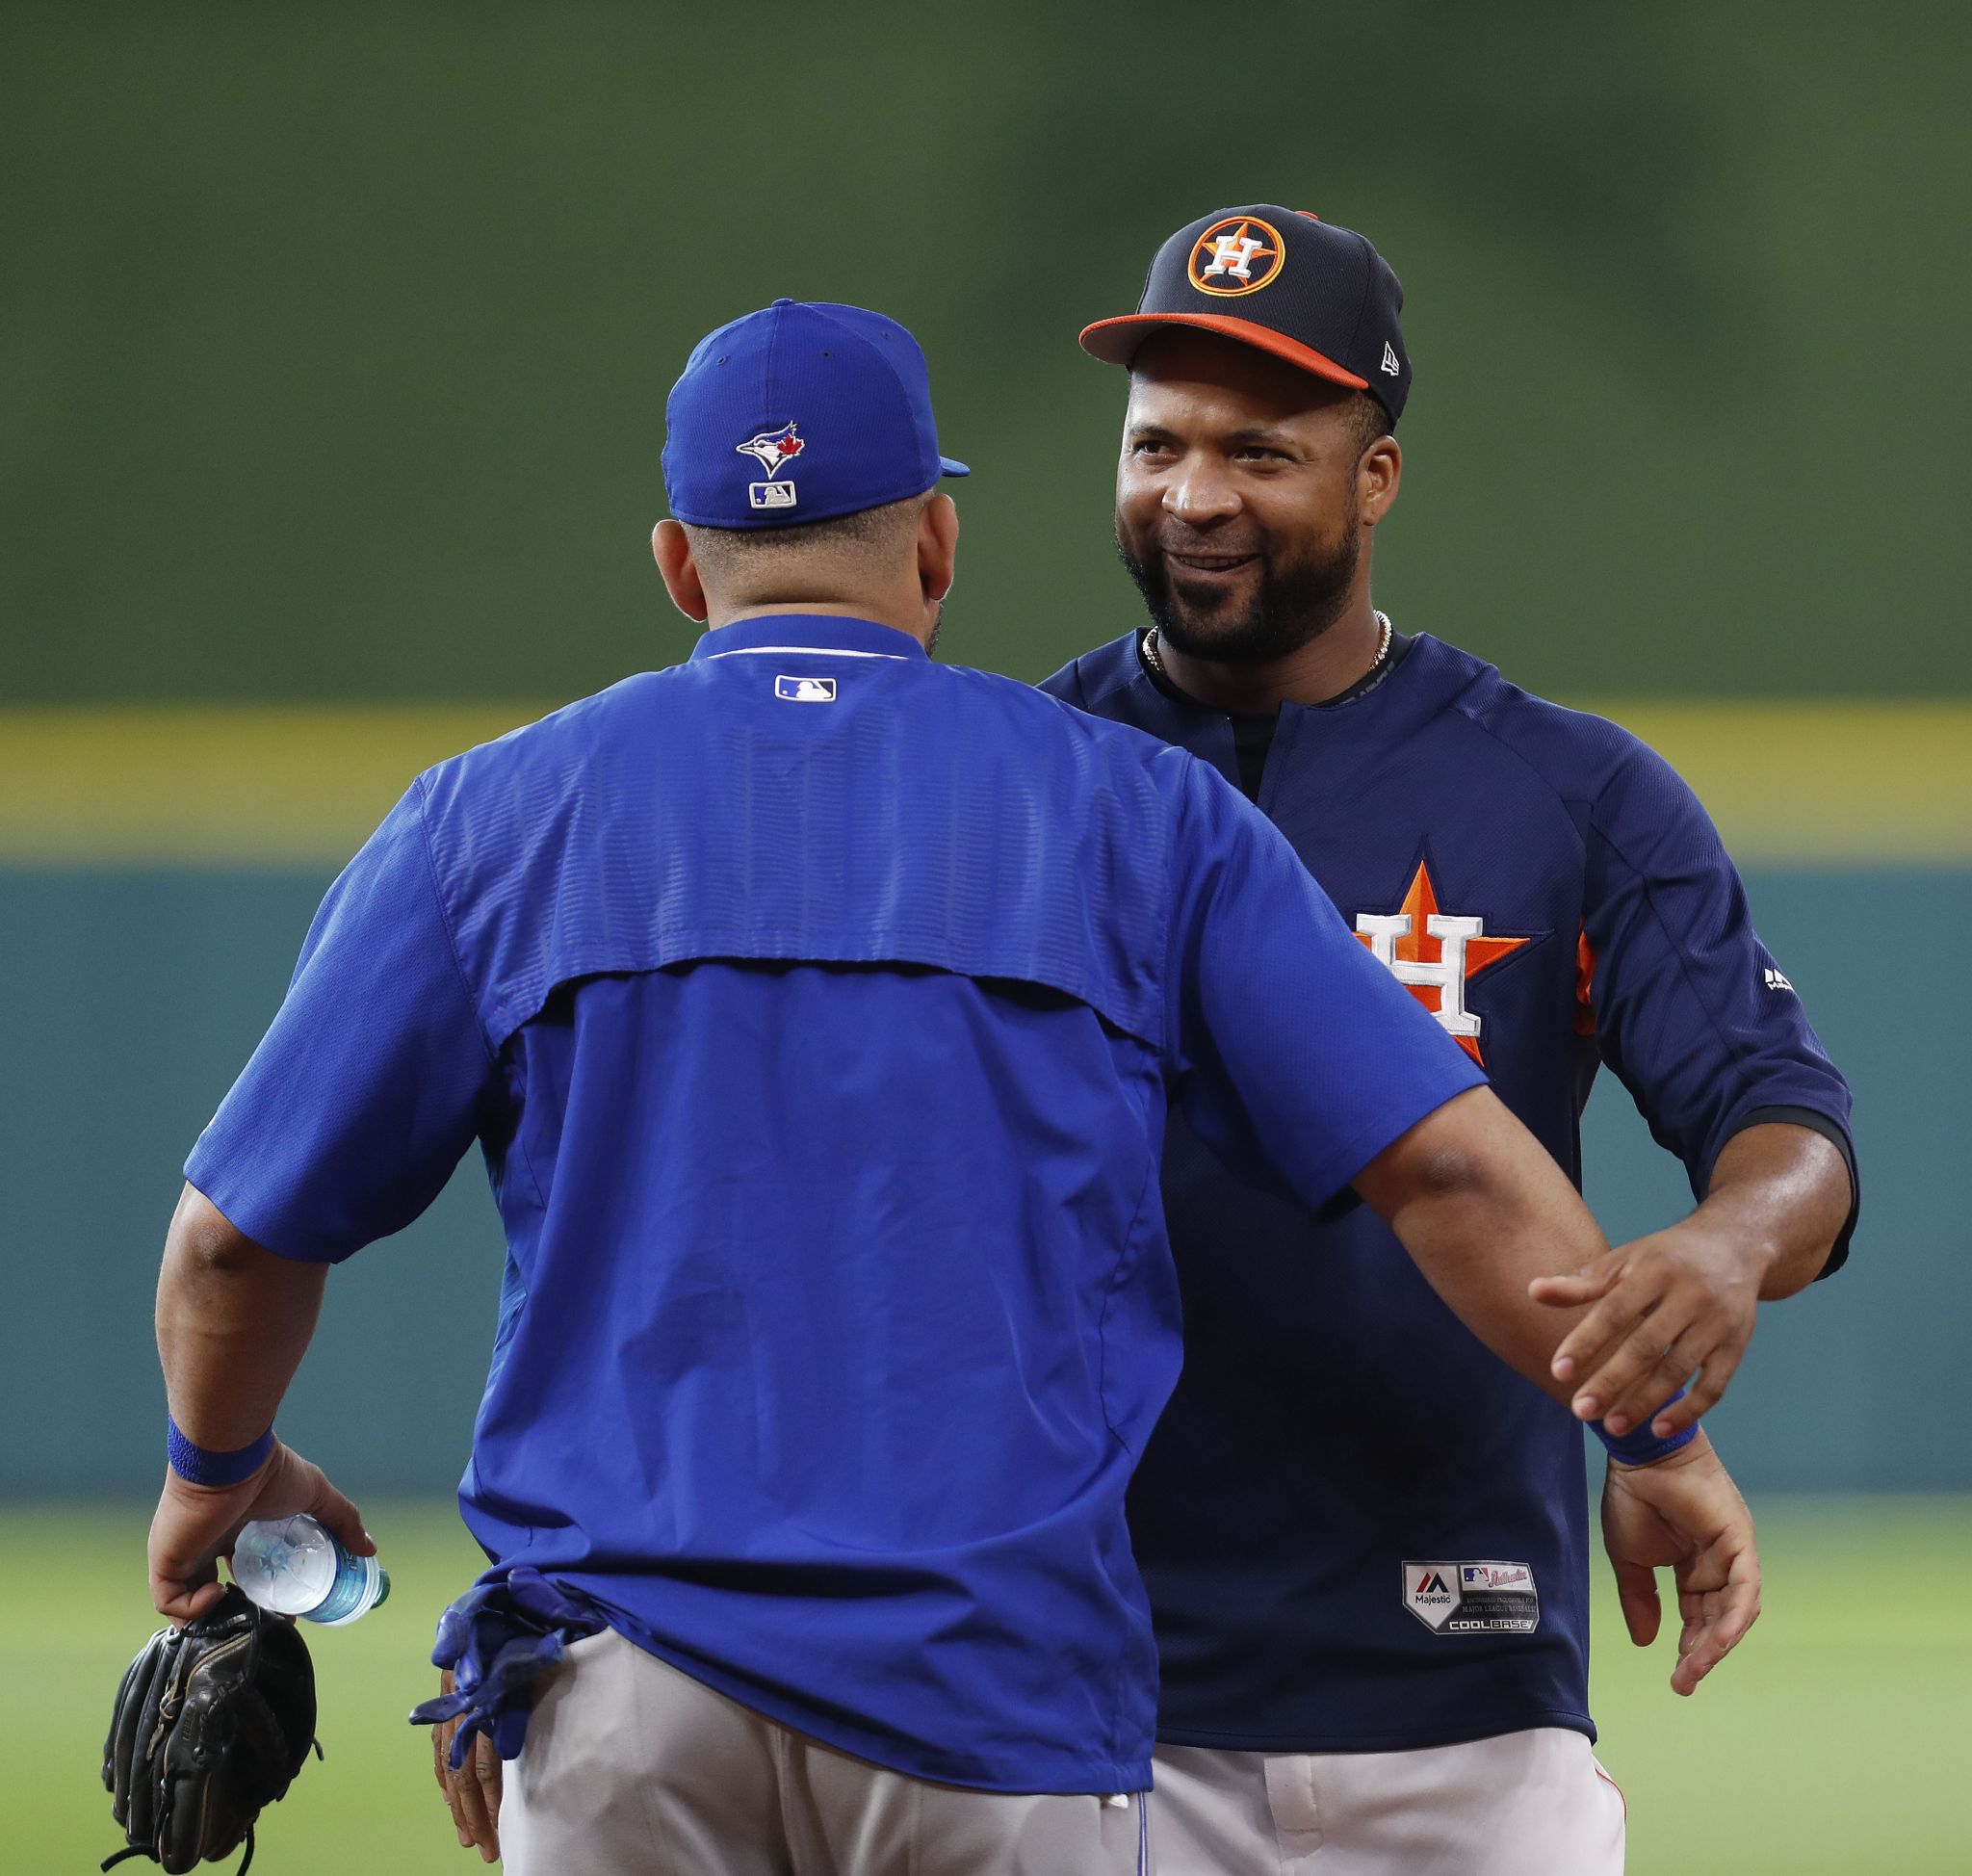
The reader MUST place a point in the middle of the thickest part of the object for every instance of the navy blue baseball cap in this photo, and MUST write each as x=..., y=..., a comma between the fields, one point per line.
x=800, y=412
x=1282, y=279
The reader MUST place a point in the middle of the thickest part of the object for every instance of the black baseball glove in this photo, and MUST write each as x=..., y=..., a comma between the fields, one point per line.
x=212, y=1722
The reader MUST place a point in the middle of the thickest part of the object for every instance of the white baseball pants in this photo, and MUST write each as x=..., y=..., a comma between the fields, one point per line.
x=632, y=1768
x=1522, y=1804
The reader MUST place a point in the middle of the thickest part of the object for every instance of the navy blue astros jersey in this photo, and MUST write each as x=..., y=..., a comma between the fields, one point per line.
x=1359, y=1529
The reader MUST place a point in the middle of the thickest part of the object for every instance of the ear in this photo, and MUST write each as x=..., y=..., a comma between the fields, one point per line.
x=671, y=547
x=938, y=547
x=1377, y=479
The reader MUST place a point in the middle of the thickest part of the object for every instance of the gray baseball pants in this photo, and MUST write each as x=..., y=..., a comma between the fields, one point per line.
x=632, y=1768
x=1522, y=1804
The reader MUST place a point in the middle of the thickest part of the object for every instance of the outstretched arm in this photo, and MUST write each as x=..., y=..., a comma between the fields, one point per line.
x=233, y=1322
x=1299, y=1054
x=1484, y=1211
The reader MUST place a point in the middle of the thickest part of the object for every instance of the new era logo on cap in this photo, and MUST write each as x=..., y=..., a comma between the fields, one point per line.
x=1283, y=280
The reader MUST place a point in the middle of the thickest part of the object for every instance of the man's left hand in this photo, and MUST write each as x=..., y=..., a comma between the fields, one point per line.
x=1664, y=1307
x=472, y=1791
x=1684, y=1513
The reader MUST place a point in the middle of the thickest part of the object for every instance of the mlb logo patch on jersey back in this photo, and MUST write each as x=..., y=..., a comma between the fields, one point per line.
x=805, y=690
x=1485, y=1598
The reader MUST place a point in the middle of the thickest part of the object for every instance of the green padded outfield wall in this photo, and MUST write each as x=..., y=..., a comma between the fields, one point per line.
x=333, y=349
x=138, y=994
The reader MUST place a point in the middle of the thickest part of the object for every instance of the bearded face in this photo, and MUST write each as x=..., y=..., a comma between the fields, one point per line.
x=1248, y=601
x=1239, y=510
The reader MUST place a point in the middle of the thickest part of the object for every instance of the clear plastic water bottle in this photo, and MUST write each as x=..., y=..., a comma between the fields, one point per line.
x=293, y=1565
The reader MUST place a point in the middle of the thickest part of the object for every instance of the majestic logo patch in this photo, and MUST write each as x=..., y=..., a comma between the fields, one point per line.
x=773, y=451
x=1472, y=1599
x=1434, y=954
x=805, y=690
x=1241, y=254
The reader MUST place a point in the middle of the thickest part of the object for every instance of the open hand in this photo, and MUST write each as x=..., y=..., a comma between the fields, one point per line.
x=1665, y=1307
x=194, y=1526
x=1684, y=1513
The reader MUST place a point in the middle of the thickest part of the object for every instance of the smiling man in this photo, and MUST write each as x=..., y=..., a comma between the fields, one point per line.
x=1366, y=1540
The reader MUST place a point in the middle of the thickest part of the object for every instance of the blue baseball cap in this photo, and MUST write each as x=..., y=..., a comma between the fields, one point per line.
x=800, y=412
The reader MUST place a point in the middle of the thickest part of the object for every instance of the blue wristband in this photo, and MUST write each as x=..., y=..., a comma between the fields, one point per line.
x=1639, y=1446
x=197, y=1465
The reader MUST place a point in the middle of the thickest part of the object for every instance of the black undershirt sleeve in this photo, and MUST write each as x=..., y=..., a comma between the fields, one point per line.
x=1835, y=1136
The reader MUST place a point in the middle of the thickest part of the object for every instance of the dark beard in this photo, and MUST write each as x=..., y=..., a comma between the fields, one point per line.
x=1295, y=605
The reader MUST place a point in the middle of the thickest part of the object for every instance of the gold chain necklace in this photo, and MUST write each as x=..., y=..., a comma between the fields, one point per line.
x=1155, y=659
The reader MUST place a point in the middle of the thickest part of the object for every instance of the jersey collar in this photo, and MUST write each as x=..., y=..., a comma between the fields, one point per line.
x=809, y=631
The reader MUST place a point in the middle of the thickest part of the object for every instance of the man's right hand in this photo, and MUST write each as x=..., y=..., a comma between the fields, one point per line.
x=1684, y=1513
x=194, y=1526
x=472, y=1791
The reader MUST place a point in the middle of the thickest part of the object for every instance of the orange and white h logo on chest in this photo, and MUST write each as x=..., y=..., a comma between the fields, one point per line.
x=1434, y=954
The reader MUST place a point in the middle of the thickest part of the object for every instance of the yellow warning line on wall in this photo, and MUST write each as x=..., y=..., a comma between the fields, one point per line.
x=1799, y=783
x=249, y=787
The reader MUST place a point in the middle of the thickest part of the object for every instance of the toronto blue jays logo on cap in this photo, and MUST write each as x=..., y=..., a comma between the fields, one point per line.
x=859, y=375
x=1238, y=254
x=773, y=451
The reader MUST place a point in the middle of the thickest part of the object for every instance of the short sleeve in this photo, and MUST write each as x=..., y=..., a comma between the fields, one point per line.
x=368, y=1089
x=1298, y=1058
x=1692, y=1012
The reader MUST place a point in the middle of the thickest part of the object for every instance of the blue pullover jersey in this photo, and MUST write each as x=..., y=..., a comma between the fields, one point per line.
x=1361, y=1533
x=816, y=1008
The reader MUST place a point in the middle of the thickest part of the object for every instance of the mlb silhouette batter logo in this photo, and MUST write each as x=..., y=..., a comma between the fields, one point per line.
x=773, y=451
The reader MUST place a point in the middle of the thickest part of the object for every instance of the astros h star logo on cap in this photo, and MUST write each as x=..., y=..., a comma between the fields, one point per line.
x=1239, y=254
